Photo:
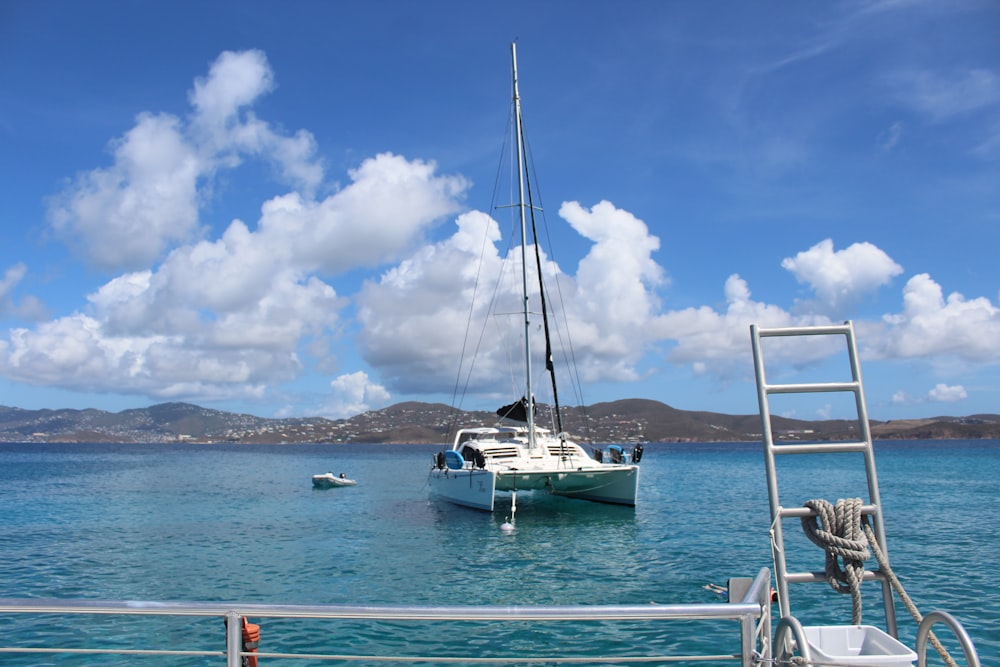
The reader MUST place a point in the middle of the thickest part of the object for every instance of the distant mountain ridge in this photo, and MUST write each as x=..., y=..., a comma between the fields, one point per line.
x=625, y=421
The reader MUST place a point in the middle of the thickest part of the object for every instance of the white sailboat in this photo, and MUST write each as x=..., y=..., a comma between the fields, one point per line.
x=518, y=454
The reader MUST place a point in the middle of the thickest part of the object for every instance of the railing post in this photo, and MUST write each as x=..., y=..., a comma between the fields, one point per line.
x=234, y=639
x=788, y=638
x=748, y=636
x=924, y=633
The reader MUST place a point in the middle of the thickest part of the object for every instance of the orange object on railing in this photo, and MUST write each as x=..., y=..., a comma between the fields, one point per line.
x=251, y=640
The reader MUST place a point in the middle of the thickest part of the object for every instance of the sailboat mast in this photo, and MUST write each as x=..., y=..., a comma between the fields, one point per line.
x=530, y=407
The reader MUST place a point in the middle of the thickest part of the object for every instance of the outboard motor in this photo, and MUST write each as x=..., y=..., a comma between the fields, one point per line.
x=637, y=454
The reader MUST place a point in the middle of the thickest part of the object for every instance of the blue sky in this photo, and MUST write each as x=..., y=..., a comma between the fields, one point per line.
x=278, y=208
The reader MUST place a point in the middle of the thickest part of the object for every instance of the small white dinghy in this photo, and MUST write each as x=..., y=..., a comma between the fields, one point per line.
x=328, y=481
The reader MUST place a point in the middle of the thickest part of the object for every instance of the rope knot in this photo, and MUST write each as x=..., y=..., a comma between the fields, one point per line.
x=841, y=536
x=848, y=535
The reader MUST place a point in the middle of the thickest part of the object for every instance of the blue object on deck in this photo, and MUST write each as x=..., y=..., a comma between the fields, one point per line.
x=454, y=460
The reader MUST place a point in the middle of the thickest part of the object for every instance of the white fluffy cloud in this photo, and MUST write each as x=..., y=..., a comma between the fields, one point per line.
x=941, y=393
x=225, y=129
x=615, y=293
x=234, y=81
x=352, y=394
x=414, y=318
x=929, y=327
x=386, y=208
x=223, y=318
x=932, y=326
x=716, y=342
x=228, y=316
x=124, y=216
x=948, y=393
x=127, y=215
x=840, y=278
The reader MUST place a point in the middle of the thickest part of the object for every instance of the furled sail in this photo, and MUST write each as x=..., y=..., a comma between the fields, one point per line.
x=516, y=411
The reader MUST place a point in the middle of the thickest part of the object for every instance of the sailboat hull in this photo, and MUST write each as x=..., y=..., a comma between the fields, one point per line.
x=617, y=485
x=469, y=488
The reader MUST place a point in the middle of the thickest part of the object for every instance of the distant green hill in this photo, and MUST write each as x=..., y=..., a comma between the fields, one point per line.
x=626, y=421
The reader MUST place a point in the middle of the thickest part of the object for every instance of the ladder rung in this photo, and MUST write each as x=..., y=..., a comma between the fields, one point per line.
x=814, y=577
x=819, y=447
x=811, y=387
x=805, y=331
x=799, y=512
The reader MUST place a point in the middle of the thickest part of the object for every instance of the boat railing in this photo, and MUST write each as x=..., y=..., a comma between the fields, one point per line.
x=748, y=607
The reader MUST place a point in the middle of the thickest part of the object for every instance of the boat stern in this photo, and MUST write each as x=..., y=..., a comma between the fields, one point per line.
x=616, y=485
x=473, y=488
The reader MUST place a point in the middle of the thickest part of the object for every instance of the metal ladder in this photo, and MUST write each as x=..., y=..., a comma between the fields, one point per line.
x=771, y=450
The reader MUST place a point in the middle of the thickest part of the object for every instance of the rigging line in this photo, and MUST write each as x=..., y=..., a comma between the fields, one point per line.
x=567, y=348
x=532, y=177
x=549, y=364
x=492, y=311
x=458, y=395
x=572, y=367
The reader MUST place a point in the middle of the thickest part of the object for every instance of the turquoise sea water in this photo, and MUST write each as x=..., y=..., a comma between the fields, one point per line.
x=243, y=523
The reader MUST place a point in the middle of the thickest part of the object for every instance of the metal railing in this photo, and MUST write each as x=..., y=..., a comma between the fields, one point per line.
x=749, y=606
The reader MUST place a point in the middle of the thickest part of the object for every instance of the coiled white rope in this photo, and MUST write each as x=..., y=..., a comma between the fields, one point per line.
x=841, y=537
x=847, y=535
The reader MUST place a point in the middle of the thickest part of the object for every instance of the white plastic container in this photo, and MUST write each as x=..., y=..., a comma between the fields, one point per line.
x=857, y=645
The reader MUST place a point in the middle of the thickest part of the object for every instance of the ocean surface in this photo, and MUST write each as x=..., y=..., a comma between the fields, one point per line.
x=243, y=523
